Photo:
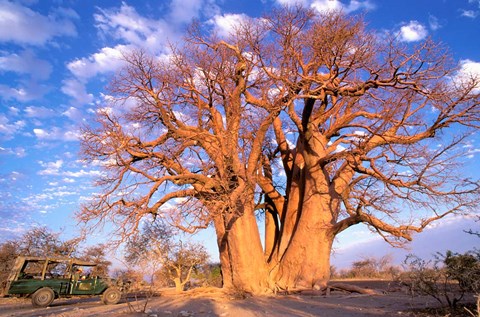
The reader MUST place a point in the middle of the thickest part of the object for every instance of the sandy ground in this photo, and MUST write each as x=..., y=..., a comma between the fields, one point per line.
x=212, y=302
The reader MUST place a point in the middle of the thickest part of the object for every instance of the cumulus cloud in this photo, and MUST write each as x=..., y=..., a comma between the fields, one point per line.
x=123, y=24
x=127, y=25
x=59, y=168
x=18, y=23
x=107, y=60
x=468, y=70
x=25, y=62
x=225, y=24
x=81, y=173
x=412, y=32
x=353, y=5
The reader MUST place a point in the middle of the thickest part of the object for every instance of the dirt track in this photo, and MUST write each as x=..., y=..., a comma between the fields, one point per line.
x=395, y=302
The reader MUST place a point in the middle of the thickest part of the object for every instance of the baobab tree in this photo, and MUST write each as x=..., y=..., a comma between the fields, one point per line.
x=316, y=120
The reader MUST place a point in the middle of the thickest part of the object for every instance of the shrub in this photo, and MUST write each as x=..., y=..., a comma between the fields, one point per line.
x=447, y=278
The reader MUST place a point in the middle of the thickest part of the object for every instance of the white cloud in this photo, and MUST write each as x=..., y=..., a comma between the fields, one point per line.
x=107, y=60
x=19, y=23
x=337, y=5
x=50, y=168
x=13, y=111
x=18, y=151
x=127, y=25
x=468, y=70
x=8, y=129
x=26, y=63
x=327, y=5
x=57, y=168
x=73, y=114
x=29, y=91
x=77, y=90
x=183, y=11
x=39, y=112
x=412, y=32
x=225, y=24
x=434, y=23
x=292, y=2
x=469, y=14
x=56, y=134
x=81, y=173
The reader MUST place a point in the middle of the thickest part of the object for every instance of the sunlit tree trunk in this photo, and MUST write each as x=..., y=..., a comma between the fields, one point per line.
x=308, y=236
x=306, y=261
x=241, y=252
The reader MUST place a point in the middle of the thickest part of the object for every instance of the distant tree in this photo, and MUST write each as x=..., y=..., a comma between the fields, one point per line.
x=155, y=248
x=98, y=254
x=372, y=267
x=314, y=118
x=135, y=278
x=213, y=274
x=41, y=241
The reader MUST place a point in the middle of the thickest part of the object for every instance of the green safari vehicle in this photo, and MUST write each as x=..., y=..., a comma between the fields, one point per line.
x=44, y=279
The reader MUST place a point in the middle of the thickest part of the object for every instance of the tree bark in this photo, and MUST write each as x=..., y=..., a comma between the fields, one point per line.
x=306, y=261
x=241, y=252
x=178, y=285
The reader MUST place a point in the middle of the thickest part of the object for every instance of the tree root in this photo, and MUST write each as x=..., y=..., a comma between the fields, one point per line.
x=352, y=289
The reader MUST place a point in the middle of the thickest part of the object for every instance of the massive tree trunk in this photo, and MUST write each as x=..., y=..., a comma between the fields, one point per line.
x=241, y=253
x=306, y=262
x=306, y=248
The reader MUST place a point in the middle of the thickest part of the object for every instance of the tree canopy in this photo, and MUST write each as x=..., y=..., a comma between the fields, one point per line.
x=314, y=119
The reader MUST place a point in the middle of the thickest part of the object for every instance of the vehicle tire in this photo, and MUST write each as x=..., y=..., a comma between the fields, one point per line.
x=43, y=297
x=111, y=296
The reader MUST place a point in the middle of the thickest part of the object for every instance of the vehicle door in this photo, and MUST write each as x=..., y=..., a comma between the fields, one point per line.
x=84, y=285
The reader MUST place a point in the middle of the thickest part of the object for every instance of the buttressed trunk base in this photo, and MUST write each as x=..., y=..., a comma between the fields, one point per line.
x=241, y=255
x=307, y=266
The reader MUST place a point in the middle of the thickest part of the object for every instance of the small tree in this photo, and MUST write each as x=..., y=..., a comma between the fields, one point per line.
x=447, y=279
x=41, y=241
x=155, y=250
x=98, y=254
x=371, y=267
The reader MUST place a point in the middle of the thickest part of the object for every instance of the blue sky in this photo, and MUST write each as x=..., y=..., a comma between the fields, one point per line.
x=56, y=57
